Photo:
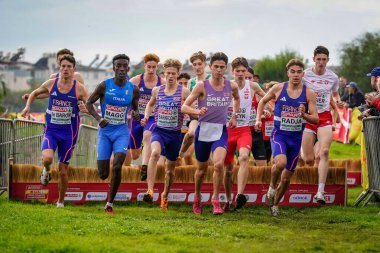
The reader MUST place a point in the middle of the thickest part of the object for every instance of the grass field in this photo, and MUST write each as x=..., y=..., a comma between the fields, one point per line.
x=344, y=151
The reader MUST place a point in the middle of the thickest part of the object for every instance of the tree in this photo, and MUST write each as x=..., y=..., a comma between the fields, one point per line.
x=274, y=69
x=359, y=57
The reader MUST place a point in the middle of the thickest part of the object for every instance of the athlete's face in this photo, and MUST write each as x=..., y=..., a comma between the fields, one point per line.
x=218, y=68
x=121, y=67
x=240, y=73
x=171, y=75
x=321, y=61
x=198, y=66
x=295, y=74
x=248, y=76
x=151, y=67
x=67, y=69
x=183, y=81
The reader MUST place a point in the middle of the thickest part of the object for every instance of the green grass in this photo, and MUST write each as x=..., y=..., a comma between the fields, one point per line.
x=26, y=227
x=339, y=150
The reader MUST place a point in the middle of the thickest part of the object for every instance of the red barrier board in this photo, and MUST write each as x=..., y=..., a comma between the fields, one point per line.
x=354, y=178
x=298, y=195
x=342, y=129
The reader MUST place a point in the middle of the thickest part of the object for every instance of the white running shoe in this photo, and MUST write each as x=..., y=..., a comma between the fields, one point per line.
x=320, y=198
x=60, y=205
x=45, y=177
x=275, y=211
x=269, y=199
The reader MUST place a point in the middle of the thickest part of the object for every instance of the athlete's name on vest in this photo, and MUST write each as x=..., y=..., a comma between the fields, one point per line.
x=289, y=108
x=119, y=99
x=62, y=103
x=218, y=101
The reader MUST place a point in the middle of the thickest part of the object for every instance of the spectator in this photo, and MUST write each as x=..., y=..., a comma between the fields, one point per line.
x=355, y=96
x=371, y=108
x=343, y=89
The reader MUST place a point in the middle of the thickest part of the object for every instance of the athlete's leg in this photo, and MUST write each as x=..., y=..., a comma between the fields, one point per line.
x=317, y=150
x=228, y=169
x=325, y=139
x=243, y=169
x=279, y=163
x=218, y=159
x=128, y=158
x=152, y=165
x=189, y=137
x=283, y=186
x=199, y=176
x=308, y=140
x=169, y=177
x=188, y=156
x=118, y=160
x=47, y=158
x=63, y=181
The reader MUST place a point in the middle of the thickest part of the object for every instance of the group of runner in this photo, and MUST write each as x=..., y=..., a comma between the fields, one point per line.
x=176, y=116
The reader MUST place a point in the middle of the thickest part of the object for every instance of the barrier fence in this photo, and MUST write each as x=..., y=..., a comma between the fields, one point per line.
x=84, y=154
x=371, y=129
x=6, y=150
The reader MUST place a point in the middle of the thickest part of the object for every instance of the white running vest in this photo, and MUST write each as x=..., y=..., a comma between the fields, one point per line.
x=244, y=114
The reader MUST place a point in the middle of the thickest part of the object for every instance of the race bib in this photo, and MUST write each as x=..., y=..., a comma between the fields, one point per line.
x=291, y=121
x=167, y=118
x=210, y=131
x=252, y=117
x=321, y=99
x=268, y=128
x=143, y=101
x=61, y=115
x=115, y=114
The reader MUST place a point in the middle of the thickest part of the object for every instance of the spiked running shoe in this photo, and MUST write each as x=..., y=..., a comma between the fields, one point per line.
x=275, y=211
x=109, y=209
x=269, y=199
x=148, y=196
x=164, y=203
x=320, y=198
x=216, y=209
x=227, y=207
x=241, y=199
x=60, y=205
x=197, y=206
x=143, y=172
x=45, y=177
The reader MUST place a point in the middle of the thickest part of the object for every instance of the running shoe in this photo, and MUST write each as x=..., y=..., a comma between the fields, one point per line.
x=45, y=177
x=275, y=211
x=197, y=206
x=320, y=198
x=143, y=172
x=241, y=199
x=60, y=205
x=164, y=203
x=148, y=196
x=269, y=199
x=227, y=207
x=109, y=209
x=216, y=209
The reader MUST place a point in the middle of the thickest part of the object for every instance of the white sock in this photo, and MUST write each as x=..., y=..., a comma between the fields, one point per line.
x=321, y=187
x=60, y=204
x=271, y=191
x=109, y=204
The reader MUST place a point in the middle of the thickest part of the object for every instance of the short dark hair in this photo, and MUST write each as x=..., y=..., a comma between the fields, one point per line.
x=219, y=56
x=250, y=70
x=64, y=51
x=67, y=57
x=184, y=75
x=321, y=50
x=239, y=61
x=295, y=62
x=120, y=56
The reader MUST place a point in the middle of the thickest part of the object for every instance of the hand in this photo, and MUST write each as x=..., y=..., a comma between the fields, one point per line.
x=333, y=127
x=135, y=115
x=340, y=104
x=103, y=122
x=258, y=125
x=370, y=99
x=143, y=122
x=25, y=112
x=232, y=122
x=202, y=111
x=82, y=107
x=337, y=119
x=266, y=114
x=25, y=97
x=364, y=114
x=302, y=109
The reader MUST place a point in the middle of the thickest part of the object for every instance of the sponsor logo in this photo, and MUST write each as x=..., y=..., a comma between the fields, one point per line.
x=177, y=197
x=112, y=90
x=36, y=192
x=140, y=196
x=125, y=148
x=210, y=95
x=330, y=198
x=351, y=181
x=283, y=99
x=141, y=89
x=123, y=196
x=126, y=92
x=71, y=97
x=204, y=197
x=96, y=196
x=300, y=198
x=54, y=93
x=251, y=198
x=73, y=196
x=223, y=197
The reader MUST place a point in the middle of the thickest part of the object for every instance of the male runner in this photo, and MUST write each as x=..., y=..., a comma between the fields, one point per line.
x=214, y=97
x=139, y=134
x=323, y=82
x=183, y=80
x=198, y=62
x=240, y=137
x=61, y=127
x=117, y=96
x=295, y=104
x=166, y=135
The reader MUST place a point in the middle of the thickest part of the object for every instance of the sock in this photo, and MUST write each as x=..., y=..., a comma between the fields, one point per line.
x=109, y=204
x=271, y=191
x=321, y=187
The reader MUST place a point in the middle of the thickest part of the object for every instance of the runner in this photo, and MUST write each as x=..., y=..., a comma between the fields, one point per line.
x=214, y=97
x=295, y=104
x=183, y=80
x=166, y=135
x=240, y=137
x=116, y=96
x=323, y=82
x=139, y=134
x=198, y=62
x=61, y=128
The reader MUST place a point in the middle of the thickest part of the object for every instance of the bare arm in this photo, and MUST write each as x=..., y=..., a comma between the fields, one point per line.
x=151, y=103
x=312, y=116
x=272, y=93
x=42, y=90
x=98, y=93
x=236, y=104
x=198, y=92
x=256, y=89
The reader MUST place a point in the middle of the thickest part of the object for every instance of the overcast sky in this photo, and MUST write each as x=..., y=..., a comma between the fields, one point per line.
x=175, y=28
